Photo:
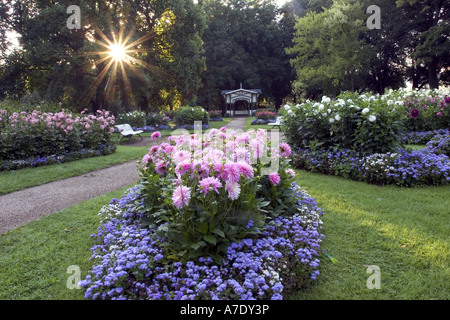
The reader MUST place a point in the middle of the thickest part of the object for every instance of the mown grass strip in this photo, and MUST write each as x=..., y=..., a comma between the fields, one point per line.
x=34, y=258
x=404, y=231
x=11, y=181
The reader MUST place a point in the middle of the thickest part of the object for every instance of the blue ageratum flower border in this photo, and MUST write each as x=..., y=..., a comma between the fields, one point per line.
x=131, y=264
x=101, y=150
x=403, y=168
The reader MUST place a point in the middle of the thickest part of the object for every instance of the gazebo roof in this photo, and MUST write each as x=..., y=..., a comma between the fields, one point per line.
x=237, y=90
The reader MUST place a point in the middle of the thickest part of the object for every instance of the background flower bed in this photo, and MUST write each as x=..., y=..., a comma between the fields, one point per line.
x=426, y=109
x=37, y=138
x=429, y=166
x=368, y=124
x=362, y=137
x=265, y=117
x=214, y=228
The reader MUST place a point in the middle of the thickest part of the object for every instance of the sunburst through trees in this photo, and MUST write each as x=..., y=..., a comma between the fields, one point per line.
x=120, y=54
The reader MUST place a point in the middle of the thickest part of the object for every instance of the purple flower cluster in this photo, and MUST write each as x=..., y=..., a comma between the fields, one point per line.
x=403, y=168
x=131, y=262
x=422, y=137
x=101, y=150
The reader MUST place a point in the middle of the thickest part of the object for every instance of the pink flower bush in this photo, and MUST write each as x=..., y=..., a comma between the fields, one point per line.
x=73, y=132
x=208, y=189
x=217, y=174
x=285, y=149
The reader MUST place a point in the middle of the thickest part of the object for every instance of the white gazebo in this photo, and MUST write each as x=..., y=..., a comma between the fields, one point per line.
x=248, y=96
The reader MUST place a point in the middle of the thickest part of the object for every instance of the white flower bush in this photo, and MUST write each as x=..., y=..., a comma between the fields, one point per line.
x=368, y=123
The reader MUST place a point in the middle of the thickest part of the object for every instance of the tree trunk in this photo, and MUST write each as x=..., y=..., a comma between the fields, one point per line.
x=432, y=74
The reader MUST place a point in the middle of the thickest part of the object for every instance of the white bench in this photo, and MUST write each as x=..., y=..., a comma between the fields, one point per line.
x=278, y=123
x=126, y=131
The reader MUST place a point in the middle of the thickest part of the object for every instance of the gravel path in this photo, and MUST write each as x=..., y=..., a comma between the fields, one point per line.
x=21, y=207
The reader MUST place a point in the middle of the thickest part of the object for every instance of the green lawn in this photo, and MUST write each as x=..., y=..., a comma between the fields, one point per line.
x=415, y=146
x=11, y=181
x=249, y=126
x=34, y=258
x=402, y=231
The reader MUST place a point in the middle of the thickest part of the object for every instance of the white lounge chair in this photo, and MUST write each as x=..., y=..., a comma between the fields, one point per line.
x=278, y=123
x=128, y=132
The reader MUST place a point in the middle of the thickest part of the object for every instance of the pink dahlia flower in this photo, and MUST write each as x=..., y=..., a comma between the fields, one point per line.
x=181, y=197
x=209, y=184
x=274, y=178
x=156, y=135
x=246, y=169
x=290, y=172
x=233, y=189
x=233, y=172
x=285, y=149
x=161, y=168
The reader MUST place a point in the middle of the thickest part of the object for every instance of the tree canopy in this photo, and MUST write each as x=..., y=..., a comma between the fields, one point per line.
x=184, y=52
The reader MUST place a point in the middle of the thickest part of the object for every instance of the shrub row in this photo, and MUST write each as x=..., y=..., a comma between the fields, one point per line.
x=140, y=119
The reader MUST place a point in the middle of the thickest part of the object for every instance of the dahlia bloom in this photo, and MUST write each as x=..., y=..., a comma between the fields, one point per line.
x=285, y=149
x=209, y=184
x=233, y=189
x=156, y=135
x=232, y=172
x=274, y=178
x=290, y=172
x=181, y=197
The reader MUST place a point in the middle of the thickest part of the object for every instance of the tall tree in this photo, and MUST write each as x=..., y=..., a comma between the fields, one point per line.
x=329, y=55
x=244, y=43
x=67, y=65
x=431, y=25
x=387, y=56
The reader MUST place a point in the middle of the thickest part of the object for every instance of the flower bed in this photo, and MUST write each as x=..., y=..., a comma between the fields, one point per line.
x=422, y=137
x=426, y=109
x=264, y=117
x=215, y=115
x=429, y=166
x=368, y=124
x=102, y=150
x=36, y=138
x=215, y=228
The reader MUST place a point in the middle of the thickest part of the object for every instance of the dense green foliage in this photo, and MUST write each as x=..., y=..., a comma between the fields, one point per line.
x=183, y=53
x=188, y=115
x=367, y=124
